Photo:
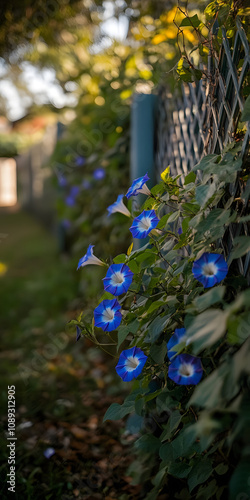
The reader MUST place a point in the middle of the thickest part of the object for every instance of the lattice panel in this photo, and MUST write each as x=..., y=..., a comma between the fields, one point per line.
x=204, y=121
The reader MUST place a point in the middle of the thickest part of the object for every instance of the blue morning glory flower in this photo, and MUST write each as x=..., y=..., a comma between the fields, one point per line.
x=70, y=201
x=179, y=231
x=174, y=340
x=80, y=161
x=119, y=206
x=62, y=181
x=139, y=186
x=131, y=363
x=99, y=173
x=66, y=223
x=74, y=191
x=89, y=258
x=107, y=315
x=78, y=333
x=144, y=223
x=185, y=369
x=118, y=279
x=49, y=452
x=210, y=269
x=86, y=184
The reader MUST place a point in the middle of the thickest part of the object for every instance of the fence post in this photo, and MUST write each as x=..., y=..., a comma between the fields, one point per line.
x=142, y=151
x=142, y=136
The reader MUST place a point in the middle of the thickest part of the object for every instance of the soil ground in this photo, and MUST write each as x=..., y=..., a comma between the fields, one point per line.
x=62, y=388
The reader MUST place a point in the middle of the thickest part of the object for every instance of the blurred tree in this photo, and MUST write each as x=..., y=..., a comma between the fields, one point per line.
x=23, y=22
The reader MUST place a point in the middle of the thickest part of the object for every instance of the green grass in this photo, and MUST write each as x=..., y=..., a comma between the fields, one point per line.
x=37, y=284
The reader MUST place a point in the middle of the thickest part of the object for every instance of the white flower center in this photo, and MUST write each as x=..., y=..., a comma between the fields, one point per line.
x=145, y=224
x=117, y=278
x=108, y=314
x=132, y=363
x=186, y=370
x=209, y=269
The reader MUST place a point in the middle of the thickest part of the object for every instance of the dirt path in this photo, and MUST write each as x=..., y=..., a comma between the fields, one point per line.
x=62, y=388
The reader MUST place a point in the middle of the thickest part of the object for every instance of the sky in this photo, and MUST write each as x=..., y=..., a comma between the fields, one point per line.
x=42, y=84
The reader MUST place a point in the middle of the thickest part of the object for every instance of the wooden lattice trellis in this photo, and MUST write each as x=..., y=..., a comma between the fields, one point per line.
x=204, y=120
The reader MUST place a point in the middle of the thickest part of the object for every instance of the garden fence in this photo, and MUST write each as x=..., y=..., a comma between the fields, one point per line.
x=35, y=192
x=204, y=120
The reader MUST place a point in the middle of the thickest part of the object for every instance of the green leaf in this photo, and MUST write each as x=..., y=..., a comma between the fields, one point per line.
x=246, y=193
x=145, y=255
x=117, y=411
x=120, y=259
x=156, y=327
x=156, y=481
x=158, y=352
x=221, y=469
x=241, y=247
x=207, y=161
x=193, y=21
x=185, y=224
x=155, y=305
x=158, y=189
x=207, y=328
x=194, y=221
x=245, y=218
x=199, y=473
x=183, y=445
x=173, y=422
x=113, y=412
x=105, y=296
x=148, y=443
x=174, y=216
x=240, y=366
x=238, y=328
x=163, y=221
x=197, y=73
x=211, y=9
x=242, y=300
x=210, y=491
x=148, y=260
x=192, y=208
x=166, y=452
x=133, y=266
x=152, y=395
x=210, y=298
x=179, y=470
x=228, y=168
x=165, y=403
x=136, y=253
x=239, y=486
x=190, y=178
x=123, y=332
x=245, y=117
x=184, y=71
x=134, y=423
x=216, y=218
x=139, y=404
x=208, y=393
x=204, y=193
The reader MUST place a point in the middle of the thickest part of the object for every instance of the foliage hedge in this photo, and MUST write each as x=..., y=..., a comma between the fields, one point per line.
x=190, y=440
x=197, y=435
